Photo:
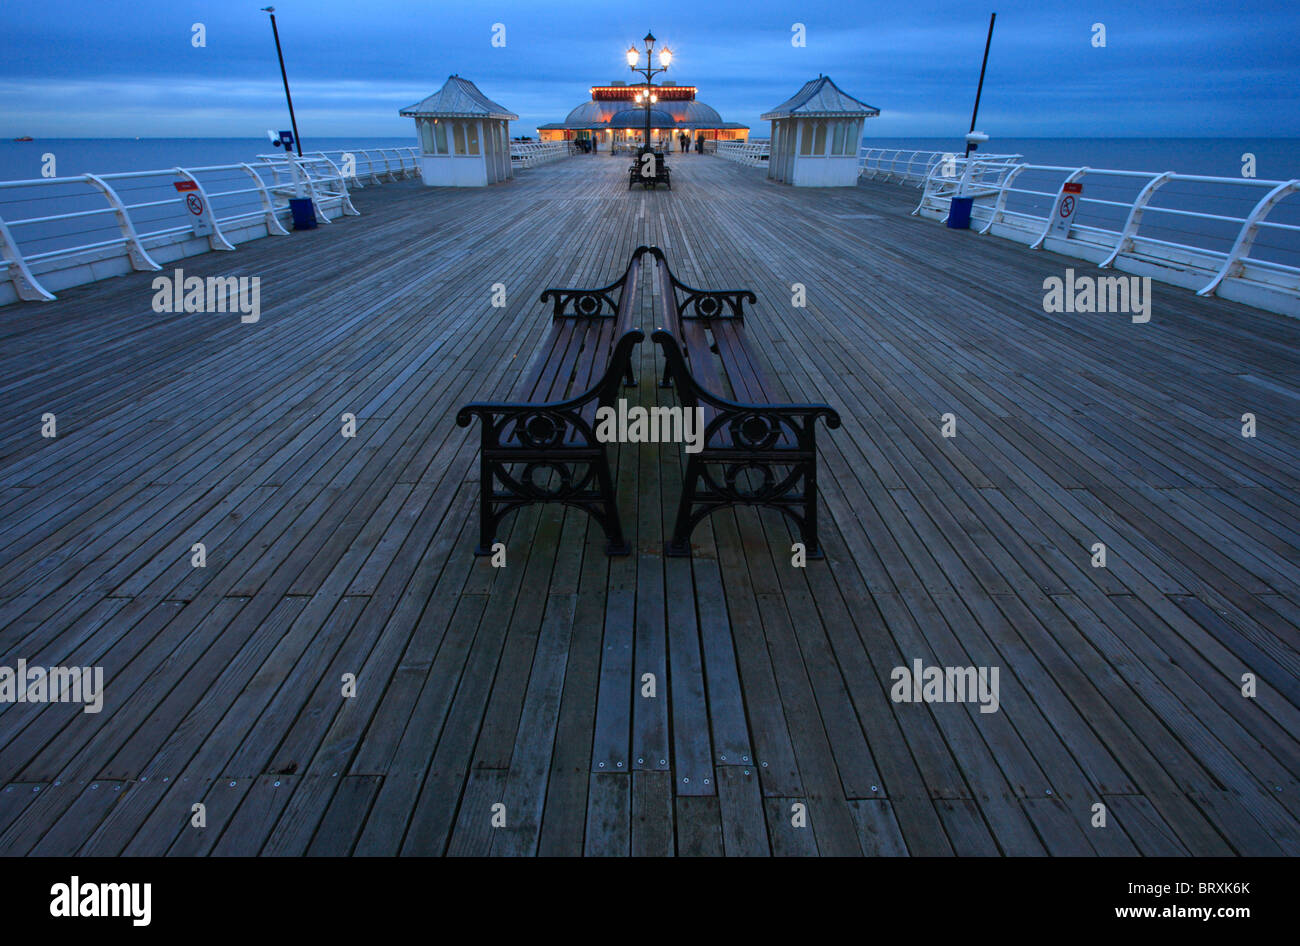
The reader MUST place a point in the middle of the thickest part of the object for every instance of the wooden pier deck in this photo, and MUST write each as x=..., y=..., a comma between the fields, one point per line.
x=522, y=686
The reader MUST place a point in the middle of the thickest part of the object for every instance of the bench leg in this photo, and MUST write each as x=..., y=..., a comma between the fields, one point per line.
x=486, y=523
x=601, y=504
x=679, y=546
x=615, y=544
x=808, y=527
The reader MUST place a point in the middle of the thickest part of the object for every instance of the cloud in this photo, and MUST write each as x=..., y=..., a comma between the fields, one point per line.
x=87, y=68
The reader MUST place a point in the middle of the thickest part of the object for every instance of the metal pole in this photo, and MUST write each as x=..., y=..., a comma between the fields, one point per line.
x=649, y=53
x=293, y=122
x=978, y=90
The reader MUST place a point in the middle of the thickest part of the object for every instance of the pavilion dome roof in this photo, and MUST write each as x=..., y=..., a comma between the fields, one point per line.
x=614, y=108
x=635, y=118
x=692, y=114
x=592, y=113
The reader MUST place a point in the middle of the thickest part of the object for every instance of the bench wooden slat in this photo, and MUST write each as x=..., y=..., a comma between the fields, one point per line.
x=748, y=379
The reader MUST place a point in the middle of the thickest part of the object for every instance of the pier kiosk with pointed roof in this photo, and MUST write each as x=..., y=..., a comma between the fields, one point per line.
x=464, y=136
x=815, y=136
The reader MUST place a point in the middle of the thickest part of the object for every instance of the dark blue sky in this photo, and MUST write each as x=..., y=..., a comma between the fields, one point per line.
x=120, y=69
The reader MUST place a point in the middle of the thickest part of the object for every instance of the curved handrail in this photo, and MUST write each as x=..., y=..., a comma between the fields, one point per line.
x=1199, y=255
x=143, y=223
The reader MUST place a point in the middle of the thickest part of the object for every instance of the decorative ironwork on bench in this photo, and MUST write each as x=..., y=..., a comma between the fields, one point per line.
x=752, y=454
x=591, y=303
x=706, y=304
x=562, y=460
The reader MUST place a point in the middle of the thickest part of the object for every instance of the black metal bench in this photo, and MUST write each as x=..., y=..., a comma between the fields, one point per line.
x=755, y=452
x=637, y=175
x=542, y=448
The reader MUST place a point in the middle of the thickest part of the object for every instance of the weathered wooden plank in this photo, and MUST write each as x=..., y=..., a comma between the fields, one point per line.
x=329, y=555
x=338, y=829
x=609, y=815
x=699, y=826
x=482, y=814
x=744, y=824
x=787, y=838
x=652, y=814
x=878, y=830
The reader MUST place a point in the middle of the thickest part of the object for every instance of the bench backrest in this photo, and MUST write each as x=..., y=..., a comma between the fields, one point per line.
x=626, y=318
x=691, y=336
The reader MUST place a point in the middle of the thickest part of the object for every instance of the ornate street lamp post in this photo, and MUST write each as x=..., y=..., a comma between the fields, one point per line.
x=647, y=98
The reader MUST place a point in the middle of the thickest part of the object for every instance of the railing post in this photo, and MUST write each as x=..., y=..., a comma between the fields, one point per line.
x=356, y=178
x=25, y=284
x=1125, y=241
x=370, y=167
x=1051, y=214
x=216, y=239
x=1246, y=237
x=345, y=199
x=1002, y=197
x=876, y=161
x=925, y=192
x=135, y=251
x=273, y=224
x=934, y=159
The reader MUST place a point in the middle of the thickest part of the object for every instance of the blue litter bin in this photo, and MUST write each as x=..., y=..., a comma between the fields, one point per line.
x=959, y=213
x=304, y=214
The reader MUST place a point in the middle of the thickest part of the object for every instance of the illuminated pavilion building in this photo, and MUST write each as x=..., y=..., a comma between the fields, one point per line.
x=613, y=115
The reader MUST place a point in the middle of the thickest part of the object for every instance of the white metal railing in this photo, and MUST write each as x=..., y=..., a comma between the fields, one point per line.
x=742, y=152
x=529, y=154
x=372, y=165
x=64, y=231
x=912, y=167
x=312, y=175
x=1150, y=223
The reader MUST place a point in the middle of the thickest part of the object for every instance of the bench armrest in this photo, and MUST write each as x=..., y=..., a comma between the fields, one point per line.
x=751, y=426
x=704, y=303
x=593, y=303
x=549, y=423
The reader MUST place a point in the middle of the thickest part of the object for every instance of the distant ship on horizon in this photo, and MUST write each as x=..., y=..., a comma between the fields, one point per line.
x=25, y=138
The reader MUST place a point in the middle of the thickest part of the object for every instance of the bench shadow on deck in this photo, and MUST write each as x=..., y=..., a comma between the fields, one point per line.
x=328, y=556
